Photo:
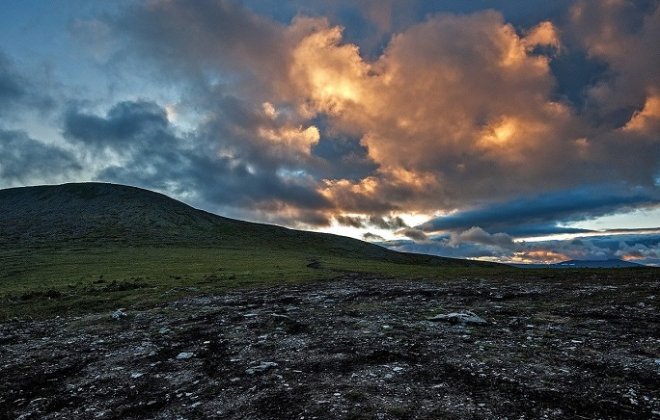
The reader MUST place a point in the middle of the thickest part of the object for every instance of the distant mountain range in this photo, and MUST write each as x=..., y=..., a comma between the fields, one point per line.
x=611, y=263
x=101, y=214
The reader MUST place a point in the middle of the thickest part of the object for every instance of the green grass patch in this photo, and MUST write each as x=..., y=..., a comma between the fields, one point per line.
x=46, y=281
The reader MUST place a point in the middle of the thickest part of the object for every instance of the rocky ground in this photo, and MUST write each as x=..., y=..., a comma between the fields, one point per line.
x=350, y=348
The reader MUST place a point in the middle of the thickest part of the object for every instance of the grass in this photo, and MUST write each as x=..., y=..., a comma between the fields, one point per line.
x=41, y=282
x=45, y=281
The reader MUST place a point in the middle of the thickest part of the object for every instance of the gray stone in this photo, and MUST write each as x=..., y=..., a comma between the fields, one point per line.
x=119, y=314
x=184, y=355
x=262, y=367
x=466, y=317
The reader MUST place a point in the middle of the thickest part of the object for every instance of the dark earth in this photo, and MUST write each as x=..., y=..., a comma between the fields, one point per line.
x=351, y=348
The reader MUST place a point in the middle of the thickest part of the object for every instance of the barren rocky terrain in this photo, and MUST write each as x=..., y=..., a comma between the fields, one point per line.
x=353, y=347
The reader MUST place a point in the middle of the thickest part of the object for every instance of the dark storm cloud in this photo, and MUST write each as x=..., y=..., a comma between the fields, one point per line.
x=345, y=157
x=542, y=213
x=153, y=155
x=24, y=160
x=130, y=123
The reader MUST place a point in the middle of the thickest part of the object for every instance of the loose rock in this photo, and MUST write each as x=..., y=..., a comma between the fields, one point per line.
x=466, y=317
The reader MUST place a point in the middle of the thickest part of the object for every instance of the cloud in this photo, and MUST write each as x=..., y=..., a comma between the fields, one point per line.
x=342, y=156
x=476, y=243
x=356, y=112
x=20, y=93
x=420, y=126
x=442, y=246
x=127, y=125
x=479, y=236
x=356, y=222
x=630, y=247
x=437, y=90
x=543, y=214
x=12, y=86
x=623, y=35
x=208, y=42
x=412, y=233
x=372, y=237
x=26, y=161
x=140, y=146
x=388, y=223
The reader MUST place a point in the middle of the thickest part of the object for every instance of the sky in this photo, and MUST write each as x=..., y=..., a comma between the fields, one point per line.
x=509, y=131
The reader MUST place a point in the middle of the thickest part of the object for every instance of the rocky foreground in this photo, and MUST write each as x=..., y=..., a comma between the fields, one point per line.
x=351, y=348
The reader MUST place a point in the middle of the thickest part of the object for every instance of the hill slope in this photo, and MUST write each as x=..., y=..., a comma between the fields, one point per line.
x=102, y=214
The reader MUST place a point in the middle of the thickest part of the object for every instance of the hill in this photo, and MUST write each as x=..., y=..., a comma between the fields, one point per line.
x=109, y=214
x=92, y=246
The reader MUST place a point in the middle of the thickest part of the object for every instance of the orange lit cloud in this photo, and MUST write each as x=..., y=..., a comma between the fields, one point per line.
x=431, y=111
x=648, y=119
x=543, y=34
x=328, y=73
x=297, y=138
x=544, y=256
x=449, y=112
x=455, y=109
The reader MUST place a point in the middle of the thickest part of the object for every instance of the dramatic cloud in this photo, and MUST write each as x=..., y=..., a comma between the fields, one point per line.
x=541, y=214
x=140, y=146
x=437, y=91
x=490, y=125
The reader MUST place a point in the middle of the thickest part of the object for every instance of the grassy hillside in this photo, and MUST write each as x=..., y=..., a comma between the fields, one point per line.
x=76, y=247
x=101, y=215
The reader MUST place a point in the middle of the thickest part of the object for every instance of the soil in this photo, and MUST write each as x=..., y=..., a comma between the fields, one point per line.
x=352, y=348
